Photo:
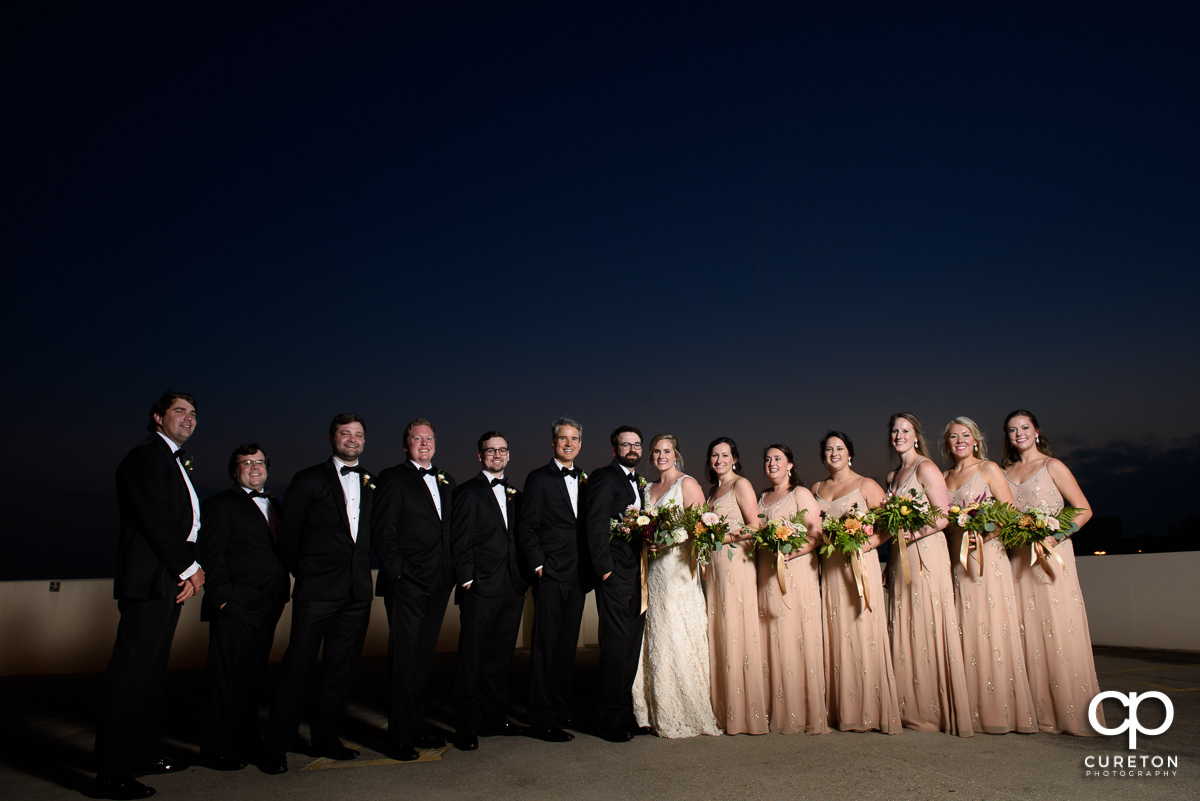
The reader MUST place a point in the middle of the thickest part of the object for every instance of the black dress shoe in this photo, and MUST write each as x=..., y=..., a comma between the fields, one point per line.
x=641, y=731
x=551, y=734
x=504, y=729
x=224, y=762
x=162, y=765
x=404, y=753
x=334, y=750
x=120, y=788
x=428, y=741
x=466, y=741
x=273, y=763
x=615, y=735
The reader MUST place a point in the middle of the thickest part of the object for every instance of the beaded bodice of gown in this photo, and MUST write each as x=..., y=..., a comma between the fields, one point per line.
x=974, y=488
x=1038, y=491
x=671, y=691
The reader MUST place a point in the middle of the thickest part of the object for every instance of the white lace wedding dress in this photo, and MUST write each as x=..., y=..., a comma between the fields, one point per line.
x=671, y=691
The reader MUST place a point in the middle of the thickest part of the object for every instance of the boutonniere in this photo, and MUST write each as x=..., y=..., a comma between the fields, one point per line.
x=642, y=482
x=187, y=463
x=511, y=492
x=366, y=477
x=441, y=479
x=582, y=477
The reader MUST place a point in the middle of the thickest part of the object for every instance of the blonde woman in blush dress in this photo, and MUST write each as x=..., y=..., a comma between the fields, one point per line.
x=860, y=687
x=736, y=663
x=671, y=693
x=1054, y=625
x=926, y=644
x=791, y=623
x=986, y=595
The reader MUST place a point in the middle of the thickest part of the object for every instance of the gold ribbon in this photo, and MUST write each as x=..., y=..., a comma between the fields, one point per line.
x=781, y=573
x=645, y=588
x=1039, y=553
x=904, y=570
x=971, y=541
x=864, y=589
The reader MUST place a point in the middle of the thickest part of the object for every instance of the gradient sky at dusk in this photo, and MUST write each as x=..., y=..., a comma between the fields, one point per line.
x=761, y=223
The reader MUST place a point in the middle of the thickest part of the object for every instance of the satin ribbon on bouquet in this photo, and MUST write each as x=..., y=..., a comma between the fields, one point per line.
x=971, y=541
x=1039, y=551
x=781, y=573
x=645, y=587
x=864, y=589
x=904, y=569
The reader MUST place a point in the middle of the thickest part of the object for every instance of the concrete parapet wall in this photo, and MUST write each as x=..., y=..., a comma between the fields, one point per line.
x=1138, y=601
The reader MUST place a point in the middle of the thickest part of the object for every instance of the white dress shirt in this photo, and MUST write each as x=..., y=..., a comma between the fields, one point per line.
x=195, y=505
x=352, y=489
x=432, y=485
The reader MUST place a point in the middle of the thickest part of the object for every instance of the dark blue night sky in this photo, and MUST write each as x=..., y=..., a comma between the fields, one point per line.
x=759, y=221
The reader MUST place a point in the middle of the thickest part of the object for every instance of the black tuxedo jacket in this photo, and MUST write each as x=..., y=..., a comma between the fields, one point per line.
x=314, y=537
x=484, y=547
x=609, y=493
x=156, y=519
x=410, y=539
x=548, y=532
x=238, y=553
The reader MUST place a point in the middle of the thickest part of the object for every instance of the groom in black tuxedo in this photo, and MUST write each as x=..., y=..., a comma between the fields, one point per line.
x=245, y=593
x=411, y=526
x=325, y=542
x=156, y=572
x=551, y=537
x=490, y=595
x=611, y=490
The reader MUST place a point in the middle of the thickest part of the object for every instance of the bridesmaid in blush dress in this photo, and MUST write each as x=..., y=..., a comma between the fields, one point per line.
x=736, y=664
x=986, y=595
x=792, y=628
x=926, y=644
x=1054, y=625
x=860, y=688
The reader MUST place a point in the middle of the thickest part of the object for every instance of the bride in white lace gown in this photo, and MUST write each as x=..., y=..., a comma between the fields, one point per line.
x=671, y=691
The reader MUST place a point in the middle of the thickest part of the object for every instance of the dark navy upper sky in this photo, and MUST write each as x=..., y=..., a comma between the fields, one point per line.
x=761, y=222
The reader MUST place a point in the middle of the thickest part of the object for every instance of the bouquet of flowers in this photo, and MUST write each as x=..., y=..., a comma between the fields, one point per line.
x=707, y=530
x=848, y=533
x=978, y=519
x=1037, y=524
x=782, y=537
x=1033, y=526
x=656, y=527
x=900, y=513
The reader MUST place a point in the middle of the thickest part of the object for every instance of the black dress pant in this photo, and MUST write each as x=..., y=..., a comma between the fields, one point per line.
x=127, y=736
x=557, y=616
x=487, y=637
x=239, y=644
x=415, y=612
x=621, y=625
x=342, y=627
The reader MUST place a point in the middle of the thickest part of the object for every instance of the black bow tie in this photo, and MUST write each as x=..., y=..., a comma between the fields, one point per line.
x=181, y=455
x=499, y=482
x=431, y=471
x=257, y=494
x=573, y=472
x=633, y=477
x=347, y=469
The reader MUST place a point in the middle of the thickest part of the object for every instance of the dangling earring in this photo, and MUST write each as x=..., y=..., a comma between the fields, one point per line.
x=1037, y=438
x=849, y=462
x=976, y=448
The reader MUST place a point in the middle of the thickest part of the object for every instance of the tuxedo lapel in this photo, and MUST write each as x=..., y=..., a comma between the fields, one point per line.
x=339, y=494
x=424, y=488
x=561, y=481
x=258, y=512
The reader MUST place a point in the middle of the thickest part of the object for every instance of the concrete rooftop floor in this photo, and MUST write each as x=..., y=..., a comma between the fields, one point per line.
x=49, y=726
